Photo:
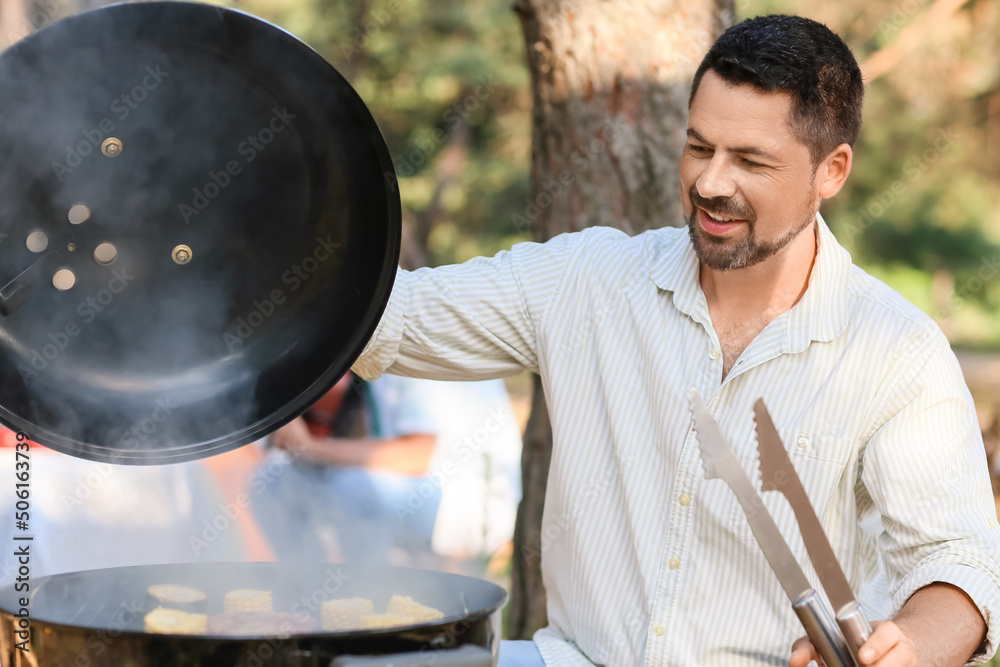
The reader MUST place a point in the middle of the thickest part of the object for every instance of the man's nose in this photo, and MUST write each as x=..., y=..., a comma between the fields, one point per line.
x=717, y=179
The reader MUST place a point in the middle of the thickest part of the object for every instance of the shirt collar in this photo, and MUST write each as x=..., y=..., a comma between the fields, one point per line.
x=821, y=314
x=676, y=271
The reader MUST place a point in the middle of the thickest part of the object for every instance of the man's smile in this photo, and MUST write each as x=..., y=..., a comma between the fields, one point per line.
x=717, y=225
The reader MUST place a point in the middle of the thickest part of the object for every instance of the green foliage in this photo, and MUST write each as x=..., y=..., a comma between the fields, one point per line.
x=922, y=206
x=439, y=76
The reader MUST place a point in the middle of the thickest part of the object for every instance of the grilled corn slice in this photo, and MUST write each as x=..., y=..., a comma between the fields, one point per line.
x=372, y=621
x=404, y=607
x=337, y=615
x=174, y=596
x=246, y=599
x=174, y=593
x=175, y=622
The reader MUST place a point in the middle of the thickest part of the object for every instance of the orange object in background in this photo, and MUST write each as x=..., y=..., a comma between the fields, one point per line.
x=231, y=471
x=8, y=438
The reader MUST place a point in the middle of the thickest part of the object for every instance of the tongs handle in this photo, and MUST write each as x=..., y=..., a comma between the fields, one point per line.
x=822, y=630
x=854, y=625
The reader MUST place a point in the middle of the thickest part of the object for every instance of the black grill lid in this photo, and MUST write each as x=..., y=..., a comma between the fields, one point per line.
x=249, y=204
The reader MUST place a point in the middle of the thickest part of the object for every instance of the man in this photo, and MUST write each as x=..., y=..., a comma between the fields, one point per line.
x=646, y=562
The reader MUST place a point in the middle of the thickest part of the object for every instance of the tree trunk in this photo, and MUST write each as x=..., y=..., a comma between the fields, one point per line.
x=610, y=82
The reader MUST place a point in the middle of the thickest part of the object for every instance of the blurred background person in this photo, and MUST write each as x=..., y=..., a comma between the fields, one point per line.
x=398, y=471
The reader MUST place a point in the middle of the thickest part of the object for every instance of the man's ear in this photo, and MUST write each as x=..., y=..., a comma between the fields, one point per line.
x=833, y=171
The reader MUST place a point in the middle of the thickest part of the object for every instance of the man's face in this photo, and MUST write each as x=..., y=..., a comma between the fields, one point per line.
x=748, y=187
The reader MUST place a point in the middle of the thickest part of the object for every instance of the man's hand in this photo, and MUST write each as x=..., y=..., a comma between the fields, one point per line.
x=407, y=454
x=887, y=647
x=293, y=436
x=939, y=624
x=296, y=439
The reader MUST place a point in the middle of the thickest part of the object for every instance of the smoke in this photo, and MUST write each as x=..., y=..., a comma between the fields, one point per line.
x=218, y=157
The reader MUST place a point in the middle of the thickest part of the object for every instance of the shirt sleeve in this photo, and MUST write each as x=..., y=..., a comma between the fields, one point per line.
x=925, y=469
x=473, y=321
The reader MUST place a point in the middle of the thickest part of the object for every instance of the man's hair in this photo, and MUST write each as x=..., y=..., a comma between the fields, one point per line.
x=804, y=58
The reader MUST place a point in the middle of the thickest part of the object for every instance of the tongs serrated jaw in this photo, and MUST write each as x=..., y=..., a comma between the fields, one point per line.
x=778, y=474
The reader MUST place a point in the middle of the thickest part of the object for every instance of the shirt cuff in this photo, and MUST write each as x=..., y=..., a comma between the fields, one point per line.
x=978, y=582
x=383, y=347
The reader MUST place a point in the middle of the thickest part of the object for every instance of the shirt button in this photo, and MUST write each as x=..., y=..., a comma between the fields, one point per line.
x=803, y=441
x=659, y=631
x=684, y=499
x=713, y=354
x=674, y=563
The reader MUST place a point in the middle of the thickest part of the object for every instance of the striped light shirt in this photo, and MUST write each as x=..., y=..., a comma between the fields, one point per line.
x=644, y=561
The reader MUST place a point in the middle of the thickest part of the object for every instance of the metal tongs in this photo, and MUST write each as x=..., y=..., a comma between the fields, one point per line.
x=837, y=634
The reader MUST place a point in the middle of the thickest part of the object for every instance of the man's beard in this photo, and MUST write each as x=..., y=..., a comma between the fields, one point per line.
x=726, y=254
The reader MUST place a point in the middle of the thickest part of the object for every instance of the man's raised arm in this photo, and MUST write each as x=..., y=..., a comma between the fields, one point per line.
x=471, y=321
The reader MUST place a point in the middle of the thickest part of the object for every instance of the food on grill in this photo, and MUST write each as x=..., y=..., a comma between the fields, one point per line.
x=405, y=607
x=345, y=614
x=250, y=612
x=171, y=593
x=175, y=596
x=358, y=614
x=175, y=622
x=257, y=623
x=373, y=621
x=246, y=599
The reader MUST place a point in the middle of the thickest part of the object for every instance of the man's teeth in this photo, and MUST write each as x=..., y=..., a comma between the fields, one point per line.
x=718, y=218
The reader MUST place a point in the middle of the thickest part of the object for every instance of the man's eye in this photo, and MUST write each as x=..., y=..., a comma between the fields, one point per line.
x=697, y=149
x=751, y=163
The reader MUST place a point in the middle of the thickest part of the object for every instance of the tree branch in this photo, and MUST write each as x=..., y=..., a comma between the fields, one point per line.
x=886, y=58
